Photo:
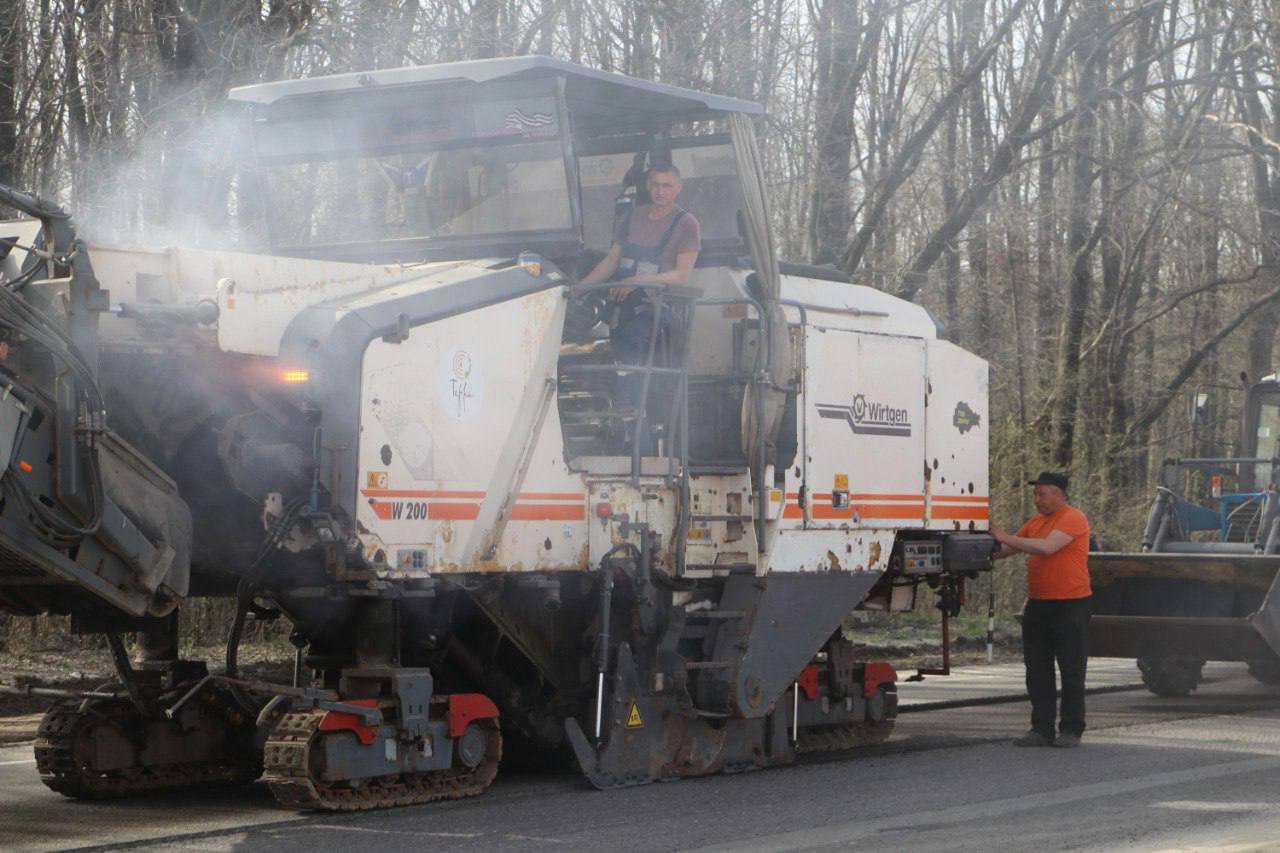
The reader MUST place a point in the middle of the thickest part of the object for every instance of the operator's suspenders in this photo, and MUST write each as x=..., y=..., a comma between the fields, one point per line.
x=637, y=259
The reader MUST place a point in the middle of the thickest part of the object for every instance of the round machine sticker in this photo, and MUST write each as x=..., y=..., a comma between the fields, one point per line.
x=461, y=385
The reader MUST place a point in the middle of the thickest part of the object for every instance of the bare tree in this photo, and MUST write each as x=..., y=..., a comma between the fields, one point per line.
x=845, y=40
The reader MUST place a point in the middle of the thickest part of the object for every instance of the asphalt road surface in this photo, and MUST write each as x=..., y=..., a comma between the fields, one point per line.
x=1201, y=773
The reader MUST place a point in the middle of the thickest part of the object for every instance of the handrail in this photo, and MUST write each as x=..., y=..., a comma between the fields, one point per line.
x=763, y=378
x=657, y=295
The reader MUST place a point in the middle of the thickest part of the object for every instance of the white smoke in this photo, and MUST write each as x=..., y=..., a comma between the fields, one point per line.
x=187, y=184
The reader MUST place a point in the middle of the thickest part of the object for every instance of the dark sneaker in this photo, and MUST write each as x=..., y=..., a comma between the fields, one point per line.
x=1066, y=740
x=1034, y=738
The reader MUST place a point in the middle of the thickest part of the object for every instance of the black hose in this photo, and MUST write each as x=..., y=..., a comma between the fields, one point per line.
x=233, y=638
x=22, y=279
x=53, y=525
x=250, y=580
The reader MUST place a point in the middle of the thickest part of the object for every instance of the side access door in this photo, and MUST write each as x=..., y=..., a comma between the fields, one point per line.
x=864, y=414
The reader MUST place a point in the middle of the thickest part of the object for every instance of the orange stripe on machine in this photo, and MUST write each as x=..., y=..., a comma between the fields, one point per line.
x=817, y=497
x=455, y=493
x=548, y=512
x=884, y=512
x=455, y=505
x=961, y=513
x=452, y=512
x=879, y=498
x=419, y=493
x=893, y=508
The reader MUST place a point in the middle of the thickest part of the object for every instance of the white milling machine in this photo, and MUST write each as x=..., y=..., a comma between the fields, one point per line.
x=401, y=427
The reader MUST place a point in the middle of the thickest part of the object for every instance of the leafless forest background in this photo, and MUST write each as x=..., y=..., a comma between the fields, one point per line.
x=1082, y=191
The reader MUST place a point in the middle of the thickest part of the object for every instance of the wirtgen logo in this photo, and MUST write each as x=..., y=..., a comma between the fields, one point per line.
x=867, y=417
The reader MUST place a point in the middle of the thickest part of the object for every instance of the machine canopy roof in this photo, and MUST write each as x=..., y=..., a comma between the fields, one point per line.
x=596, y=95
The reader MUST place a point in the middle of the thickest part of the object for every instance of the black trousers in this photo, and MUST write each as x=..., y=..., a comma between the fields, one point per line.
x=629, y=344
x=1056, y=631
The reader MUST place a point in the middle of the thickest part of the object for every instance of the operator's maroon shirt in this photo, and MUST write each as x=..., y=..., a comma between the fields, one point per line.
x=643, y=231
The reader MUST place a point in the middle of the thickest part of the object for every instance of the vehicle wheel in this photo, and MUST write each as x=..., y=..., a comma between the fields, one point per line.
x=1266, y=671
x=1170, y=676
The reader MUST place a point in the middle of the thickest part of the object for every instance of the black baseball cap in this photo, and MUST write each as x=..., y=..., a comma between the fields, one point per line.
x=1050, y=478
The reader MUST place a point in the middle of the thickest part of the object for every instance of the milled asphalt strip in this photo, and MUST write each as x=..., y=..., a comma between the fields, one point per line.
x=1008, y=698
x=844, y=833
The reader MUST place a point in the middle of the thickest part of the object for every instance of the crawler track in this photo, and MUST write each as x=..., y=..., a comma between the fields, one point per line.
x=65, y=754
x=296, y=782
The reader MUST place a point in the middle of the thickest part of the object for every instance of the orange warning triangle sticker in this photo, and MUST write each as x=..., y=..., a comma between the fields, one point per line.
x=633, y=717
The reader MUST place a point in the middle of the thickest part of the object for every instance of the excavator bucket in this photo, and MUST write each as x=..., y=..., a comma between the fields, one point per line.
x=1202, y=606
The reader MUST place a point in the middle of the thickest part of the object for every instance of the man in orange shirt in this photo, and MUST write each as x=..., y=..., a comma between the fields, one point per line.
x=1055, y=623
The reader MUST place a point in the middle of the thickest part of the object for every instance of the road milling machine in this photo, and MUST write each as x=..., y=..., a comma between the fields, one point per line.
x=1204, y=584
x=400, y=426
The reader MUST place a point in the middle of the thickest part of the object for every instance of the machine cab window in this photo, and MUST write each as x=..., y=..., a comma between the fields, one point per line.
x=531, y=156
x=525, y=153
x=397, y=178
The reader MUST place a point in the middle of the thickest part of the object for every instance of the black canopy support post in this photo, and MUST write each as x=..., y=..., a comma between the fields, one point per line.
x=570, y=161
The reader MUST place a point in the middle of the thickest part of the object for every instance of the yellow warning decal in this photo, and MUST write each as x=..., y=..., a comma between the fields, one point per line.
x=633, y=717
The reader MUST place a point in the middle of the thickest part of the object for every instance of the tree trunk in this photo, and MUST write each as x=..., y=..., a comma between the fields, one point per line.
x=908, y=156
x=1003, y=160
x=1123, y=273
x=484, y=29
x=12, y=13
x=1081, y=238
x=840, y=67
x=1047, y=290
x=951, y=192
x=1266, y=193
x=980, y=144
x=681, y=30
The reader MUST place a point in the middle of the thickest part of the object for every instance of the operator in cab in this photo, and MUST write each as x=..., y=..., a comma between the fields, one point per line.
x=655, y=243
x=1055, y=622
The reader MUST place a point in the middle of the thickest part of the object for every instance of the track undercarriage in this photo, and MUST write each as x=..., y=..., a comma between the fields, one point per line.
x=105, y=748
x=375, y=734
x=300, y=779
